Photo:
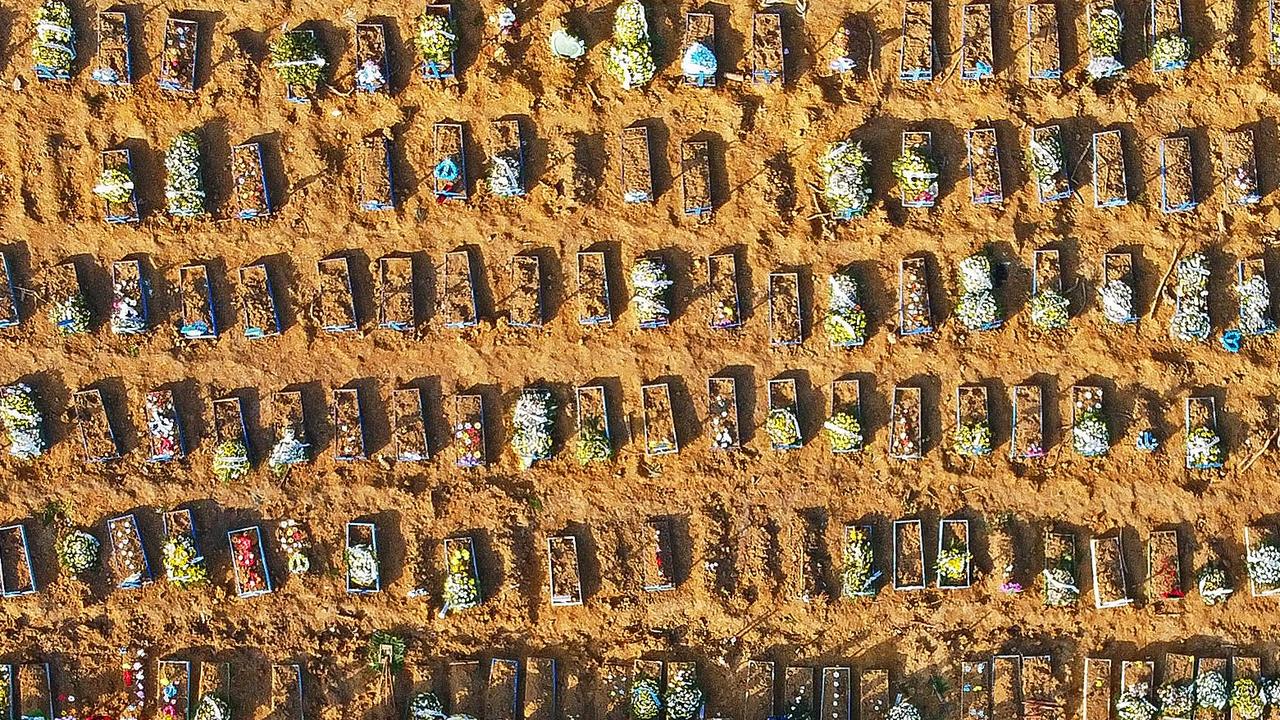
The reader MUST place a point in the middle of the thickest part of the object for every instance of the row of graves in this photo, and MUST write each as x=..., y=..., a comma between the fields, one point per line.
x=844, y=166
x=868, y=557
x=400, y=303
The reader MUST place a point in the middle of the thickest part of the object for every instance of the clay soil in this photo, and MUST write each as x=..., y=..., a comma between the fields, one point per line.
x=977, y=37
x=766, y=44
x=1177, y=171
x=1240, y=164
x=1046, y=54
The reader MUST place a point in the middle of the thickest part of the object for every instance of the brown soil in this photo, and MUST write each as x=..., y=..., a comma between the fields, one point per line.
x=785, y=326
x=95, y=428
x=1164, y=566
x=908, y=554
x=905, y=431
x=126, y=556
x=637, y=165
x=246, y=169
x=228, y=422
x=1007, y=562
x=348, y=435
x=178, y=59
x=126, y=276
x=837, y=688
x=178, y=523
x=1097, y=689
x=565, y=579
x=1028, y=425
x=1060, y=554
x=286, y=692
x=1085, y=398
x=659, y=420
x=1108, y=164
x=374, y=179
x=1200, y=414
x=915, y=310
x=722, y=290
x=1005, y=685
x=500, y=694
x=13, y=561
x=815, y=560
x=1167, y=17
x=1118, y=266
x=525, y=302
x=1042, y=41
x=593, y=288
x=1138, y=672
x=540, y=686
x=335, y=307
x=657, y=560
x=194, y=287
x=1048, y=270
x=1240, y=165
x=766, y=45
x=695, y=175
x=256, y=302
x=873, y=696
x=797, y=689
x=178, y=674
x=984, y=166
x=976, y=27
x=1042, y=694
x=409, y=433
x=1108, y=570
x=917, y=35
x=1246, y=668
x=846, y=396
x=35, y=695
x=1178, y=184
x=459, y=290
x=113, y=43
x=971, y=404
x=782, y=395
x=395, y=290
x=758, y=679
x=722, y=410
x=592, y=407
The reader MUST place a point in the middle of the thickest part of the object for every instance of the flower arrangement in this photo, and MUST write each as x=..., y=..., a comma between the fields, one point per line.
x=288, y=451
x=858, y=575
x=1089, y=435
x=1176, y=699
x=844, y=432
x=461, y=589
x=246, y=555
x=1060, y=587
x=1204, y=448
x=783, y=428
x=698, y=61
x=652, y=298
x=126, y=313
x=1247, y=702
x=1271, y=691
x=426, y=706
x=71, y=314
x=504, y=176
x=903, y=710
x=1213, y=583
x=54, y=46
x=531, y=423
x=1190, y=321
x=385, y=651
x=183, y=564
x=952, y=563
x=297, y=58
x=1211, y=690
x=362, y=565
x=1264, y=565
x=78, y=551
x=1050, y=310
x=230, y=460
x=1117, y=301
x=566, y=44
x=629, y=59
x=184, y=190
x=1255, y=306
x=22, y=420
x=972, y=439
x=1170, y=52
x=846, y=320
x=212, y=707
x=436, y=38
x=977, y=307
x=1105, y=30
x=646, y=701
x=1134, y=705
x=917, y=175
x=684, y=698
x=134, y=676
x=115, y=185
x=470, y=436
x=293, y=542
x=593, y=442
x=846, y=179
x=1044, y=158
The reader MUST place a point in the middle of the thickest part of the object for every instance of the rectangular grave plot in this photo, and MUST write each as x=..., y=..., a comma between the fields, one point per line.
x=684, y=673
x=659, y=420
x=440, y=69
x=593, y=289
x=375, y=180
x=96, y=436
x=1110, y=184
x=915, y=56
x=469, y=432
x=954, y=533
x=637, y=167
x=812, y=561
x=463, y=569
x=1177, y=186
x=758, y=679
x=363, y=535
x=846, y=400
x=905, y=421
x=64, y=288
x=873, y=695
x=973, y=409
x=17, y=575
x=922, y=141
x=1061, y=569
x=335, y=299
x=1086, y=403
x=372, y=70
x=286, y=692
x=1006, y=687
x=1164, y=567
x=985, y=186
x=1041, y=693
x=786, y=326
x=563, y=573
x=610, y=697
x=395, y=293
x=783, y=397
x=908, y=555
x=700, y=28
x=501, y=701
x=541, y=689
x=1246, y=668
x=1027, y=441
x=9, y=314
x=976, y=53
x=1046, y=271
x=915, y=315
x=177, y=70
x=128, y=556
x=115, y=61
x=1166, y=19
x=837, y=687
x=214, y=678
x=1044, y=51
x=1048, y=142
x=722, y=287
x=1110, y=586
x=1200, y=422
x=1097, y=689
x=659, y=555
x=164, y=426
x=179, y=524
x=798, y=692
x=1118, y=267
x=258, y=303
x=173, y=678
x=1255, y=537
x=461, y=309
x=288, y=414
x=1205, y=665
x=129, y=301
x=592, y=408
x=1181, y=669
x=722, y=413
x=648, y=669
x=199, y=316
x=695, y=177
x=975, y=694
x=248, y=562
x=409, y=432
x=1240, y=167
x=450, y=174
x=1139, y=677
x=1253, y=296
x=348, y=425
x=526, y=291
x=508, y=149
x=35, y=690
x=125, y=211
x=767, y=52
x=229, y=424
x=252, y=198
x=8, y=693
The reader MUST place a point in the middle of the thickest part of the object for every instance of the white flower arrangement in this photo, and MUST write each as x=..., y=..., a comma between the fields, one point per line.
x=975, y=273
x=684, y=698
x=1045, y=159
x=846, y=320
x=78, y=551
x=1117, y=301
x=531, y=423
x=126, y=315
x=1176, y=700
x=1255, y=306
x=362, y=565
x=212, y=707
x=504, y=176
x=629, y=59
x=1211, y=690
x=289, y=450
x=1190, y=322
x=846, y=174
x=1214, y=585
x=1105, y=30
x=1264, y=565
x=22, y=421
x=1134, y=705
x=652, y=291
x=698, y=61
x=977, y=308
x=426, y=706
x=1090, y=436
x=903, y=710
